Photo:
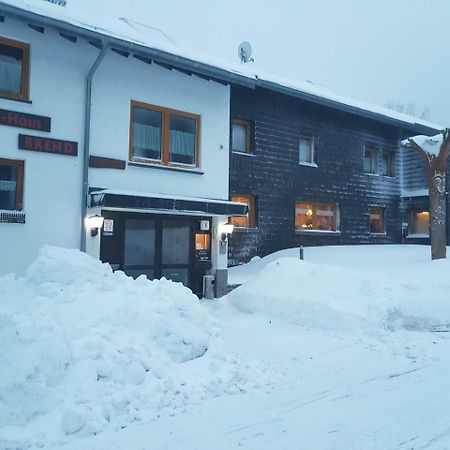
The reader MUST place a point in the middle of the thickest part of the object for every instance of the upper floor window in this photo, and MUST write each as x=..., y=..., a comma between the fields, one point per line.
x=14, y=69
x=240, y=136
x=388, y=163
x=11, y=184
x=370, y=160
x=248, y=221
x=377, y=224
x=316, y=216
x=163, y=136
x=420, y=223
x=306, y=149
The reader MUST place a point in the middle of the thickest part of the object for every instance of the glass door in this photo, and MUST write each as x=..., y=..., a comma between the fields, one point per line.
x=140, y=248
x=176, y=250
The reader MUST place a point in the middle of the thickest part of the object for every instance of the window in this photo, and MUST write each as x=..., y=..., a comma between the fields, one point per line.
x=420, y=223
x=377, y=220
x=370, y=160
x=388, y=163
x=11, y=184
x=248, y=221
x=163, y=136
x=14, y=69
x=306, y=149
x=316, y=216
x=240, y=136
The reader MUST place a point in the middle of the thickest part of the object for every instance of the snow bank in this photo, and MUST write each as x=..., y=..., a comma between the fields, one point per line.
x=330, y=297
x=84, y=348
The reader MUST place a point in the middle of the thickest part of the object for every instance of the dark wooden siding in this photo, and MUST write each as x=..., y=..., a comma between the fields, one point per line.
x=273, y=174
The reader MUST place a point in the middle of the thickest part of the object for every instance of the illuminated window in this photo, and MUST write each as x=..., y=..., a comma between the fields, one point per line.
x=14, y=69
x=377, y=220
x=420, y=222
x=240, y=136
x=370, y=160
x=316, y=216
x=306, y=149
x=11, y=184
x=164, y=136
x=388, y=163
x=248, y=221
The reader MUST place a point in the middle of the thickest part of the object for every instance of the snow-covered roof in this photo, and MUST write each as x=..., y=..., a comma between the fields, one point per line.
x=429, y=144
x=126, y=31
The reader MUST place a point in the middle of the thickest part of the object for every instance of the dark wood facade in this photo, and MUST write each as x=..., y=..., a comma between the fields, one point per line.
x=273, y=175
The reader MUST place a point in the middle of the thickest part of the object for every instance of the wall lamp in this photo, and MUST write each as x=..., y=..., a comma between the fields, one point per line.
x=95, y=223
x=226, y=231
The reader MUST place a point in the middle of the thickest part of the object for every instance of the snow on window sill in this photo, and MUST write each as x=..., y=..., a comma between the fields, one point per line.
x=308, y=164
x=372, y=174
x=163, y=167
x=309, y=231
x=245, y=229
x=237, y=152
x=378, y=234
x=418, y=236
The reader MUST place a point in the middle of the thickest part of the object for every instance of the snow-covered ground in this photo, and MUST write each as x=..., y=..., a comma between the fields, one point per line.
x=346, y=350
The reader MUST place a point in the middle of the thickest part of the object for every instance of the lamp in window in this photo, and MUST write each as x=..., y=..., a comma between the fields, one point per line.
x=94, y=223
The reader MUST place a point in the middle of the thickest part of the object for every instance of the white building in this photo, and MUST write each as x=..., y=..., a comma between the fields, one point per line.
x=93, y=125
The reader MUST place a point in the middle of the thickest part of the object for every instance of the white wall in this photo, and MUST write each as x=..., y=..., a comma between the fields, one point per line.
x=135, y=80
x=52, y=185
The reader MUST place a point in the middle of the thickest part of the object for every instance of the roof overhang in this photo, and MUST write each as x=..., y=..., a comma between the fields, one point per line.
x=154, y=203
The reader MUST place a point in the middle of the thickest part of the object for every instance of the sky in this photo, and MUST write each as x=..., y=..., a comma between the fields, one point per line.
x=381, y=51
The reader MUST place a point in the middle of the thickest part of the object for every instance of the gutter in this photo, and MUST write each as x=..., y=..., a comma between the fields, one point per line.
x=87, y=136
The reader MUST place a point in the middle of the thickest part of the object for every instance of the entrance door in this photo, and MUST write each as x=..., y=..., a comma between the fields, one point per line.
x=176, y=250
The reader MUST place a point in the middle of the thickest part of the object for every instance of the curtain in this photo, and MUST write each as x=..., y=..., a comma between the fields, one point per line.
x=182, y=143
x=146, y=137
x=7, y=194
x=10, y=74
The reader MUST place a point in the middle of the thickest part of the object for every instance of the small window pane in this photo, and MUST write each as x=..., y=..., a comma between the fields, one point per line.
x=247, y=221
x=388, y=164
x=147, y=133
x=306, y=149
x=370, y=161
x=377, y=220
x=315, y=216
x=239, y=137
x=182, y=140
x=420, y=222
x=8, y=187
x=11, y=61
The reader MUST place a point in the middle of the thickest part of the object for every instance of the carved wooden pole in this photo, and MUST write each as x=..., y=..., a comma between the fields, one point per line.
x=436, y=170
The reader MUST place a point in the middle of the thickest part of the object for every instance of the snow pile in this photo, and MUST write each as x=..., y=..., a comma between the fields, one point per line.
x=330, y=297
x=84, y=349
x=430, y=144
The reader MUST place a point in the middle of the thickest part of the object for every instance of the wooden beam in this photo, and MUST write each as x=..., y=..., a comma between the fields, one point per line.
x=101, y=162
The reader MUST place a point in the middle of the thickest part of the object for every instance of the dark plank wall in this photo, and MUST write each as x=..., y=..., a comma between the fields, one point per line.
x=276, y=178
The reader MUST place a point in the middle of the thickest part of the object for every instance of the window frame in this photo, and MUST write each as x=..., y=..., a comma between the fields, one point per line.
x=24, y=93
x=251, y=215
x=312, y=151
x=383, y=211
x=20, y=167
x=337, y=217
x=390, y=165
x=248, y=142
x=165, y=136
x=373, y=160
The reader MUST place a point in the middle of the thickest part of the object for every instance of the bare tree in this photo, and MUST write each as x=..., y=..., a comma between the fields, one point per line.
x=434, y=152
x=408, y=108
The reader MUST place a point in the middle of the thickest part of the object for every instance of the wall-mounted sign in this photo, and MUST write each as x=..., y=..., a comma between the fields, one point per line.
x=108, y=227
x=23, y=120
x=42, y=144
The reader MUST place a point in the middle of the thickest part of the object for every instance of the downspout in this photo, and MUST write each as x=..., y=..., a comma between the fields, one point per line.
x=87, y=136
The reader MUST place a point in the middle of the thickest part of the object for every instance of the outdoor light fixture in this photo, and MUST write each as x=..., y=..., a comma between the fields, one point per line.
x=95, y=223
x=226, y=230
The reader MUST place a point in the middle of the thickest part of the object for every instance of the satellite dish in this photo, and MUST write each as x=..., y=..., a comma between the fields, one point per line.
x=245, y=52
